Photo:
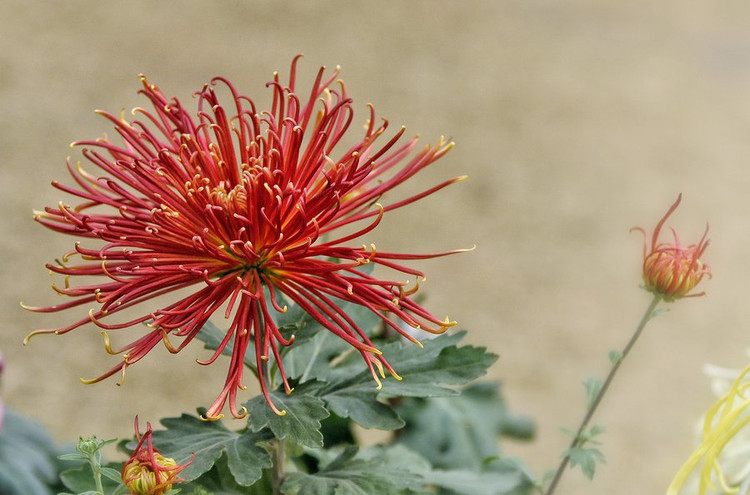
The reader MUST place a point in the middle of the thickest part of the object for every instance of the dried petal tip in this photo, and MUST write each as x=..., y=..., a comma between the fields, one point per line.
x=148, y=472
x=671, y=269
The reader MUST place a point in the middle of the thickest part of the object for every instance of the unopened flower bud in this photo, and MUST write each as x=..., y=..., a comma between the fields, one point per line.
x=670, y=269
x=153, y=476
x=88, y=445
x=148, y=472
x=672, y=274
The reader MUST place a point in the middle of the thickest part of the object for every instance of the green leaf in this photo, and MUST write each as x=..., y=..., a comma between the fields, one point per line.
x=304, y=327
x=27, y=457
x=658, y=312
x=363, y=408
x=460, y=432
x=585, y=458
x=615, y=356
x=351, y=474
x=81, y=480
x=301, y=423
x=467, y=482
x=432, y=371
x=593, y=432
x=73, y=456
x=335, y=430
x=220, y=481
x=188, y=435
x=310, y=360
x=293, y=321
x=593, y=386
x=298, y=322
x=111, y=473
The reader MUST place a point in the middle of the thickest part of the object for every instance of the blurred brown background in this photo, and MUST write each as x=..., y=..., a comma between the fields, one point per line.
x=575, y=120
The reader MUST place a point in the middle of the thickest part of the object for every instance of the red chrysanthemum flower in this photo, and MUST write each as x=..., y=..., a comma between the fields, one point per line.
x=671, y=269
x=147, y=471
x=239, y=205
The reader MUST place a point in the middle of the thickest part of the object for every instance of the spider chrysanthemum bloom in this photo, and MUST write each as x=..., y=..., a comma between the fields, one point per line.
x=148, y=472
x=239, y=206
x=671, y=269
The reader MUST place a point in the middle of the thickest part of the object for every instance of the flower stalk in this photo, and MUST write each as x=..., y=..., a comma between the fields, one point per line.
x=671, y=270
x=278, y=466
x=616, y=363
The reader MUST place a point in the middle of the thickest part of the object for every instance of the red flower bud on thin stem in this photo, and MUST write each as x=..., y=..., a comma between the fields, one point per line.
x=671, y=269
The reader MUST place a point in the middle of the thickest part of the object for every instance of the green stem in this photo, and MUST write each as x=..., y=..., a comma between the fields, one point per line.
x=603, y=390
x=278, y=466
x=96, y=469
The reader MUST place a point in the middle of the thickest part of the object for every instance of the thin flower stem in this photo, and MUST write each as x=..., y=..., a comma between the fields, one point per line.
x=95, y=463
x=603, y=390
x=278, y=466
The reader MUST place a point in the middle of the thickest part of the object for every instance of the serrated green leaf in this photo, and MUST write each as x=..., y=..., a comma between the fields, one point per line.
x=81, y=480
x=27, y=457
x=301, y=423
x=310, y=360
x=364, y=409
x=466, y=482
x=187, y=434
x=593, y=386
x=304, y=327
x=615, y=356
x=431, y=371
x=586, y=458
x=460, y=432
x=351, y=474
x=220, y=481
x=293, y=321
x=594, y=431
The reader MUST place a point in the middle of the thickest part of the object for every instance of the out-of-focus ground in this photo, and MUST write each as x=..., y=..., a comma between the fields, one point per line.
x=575, y=120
